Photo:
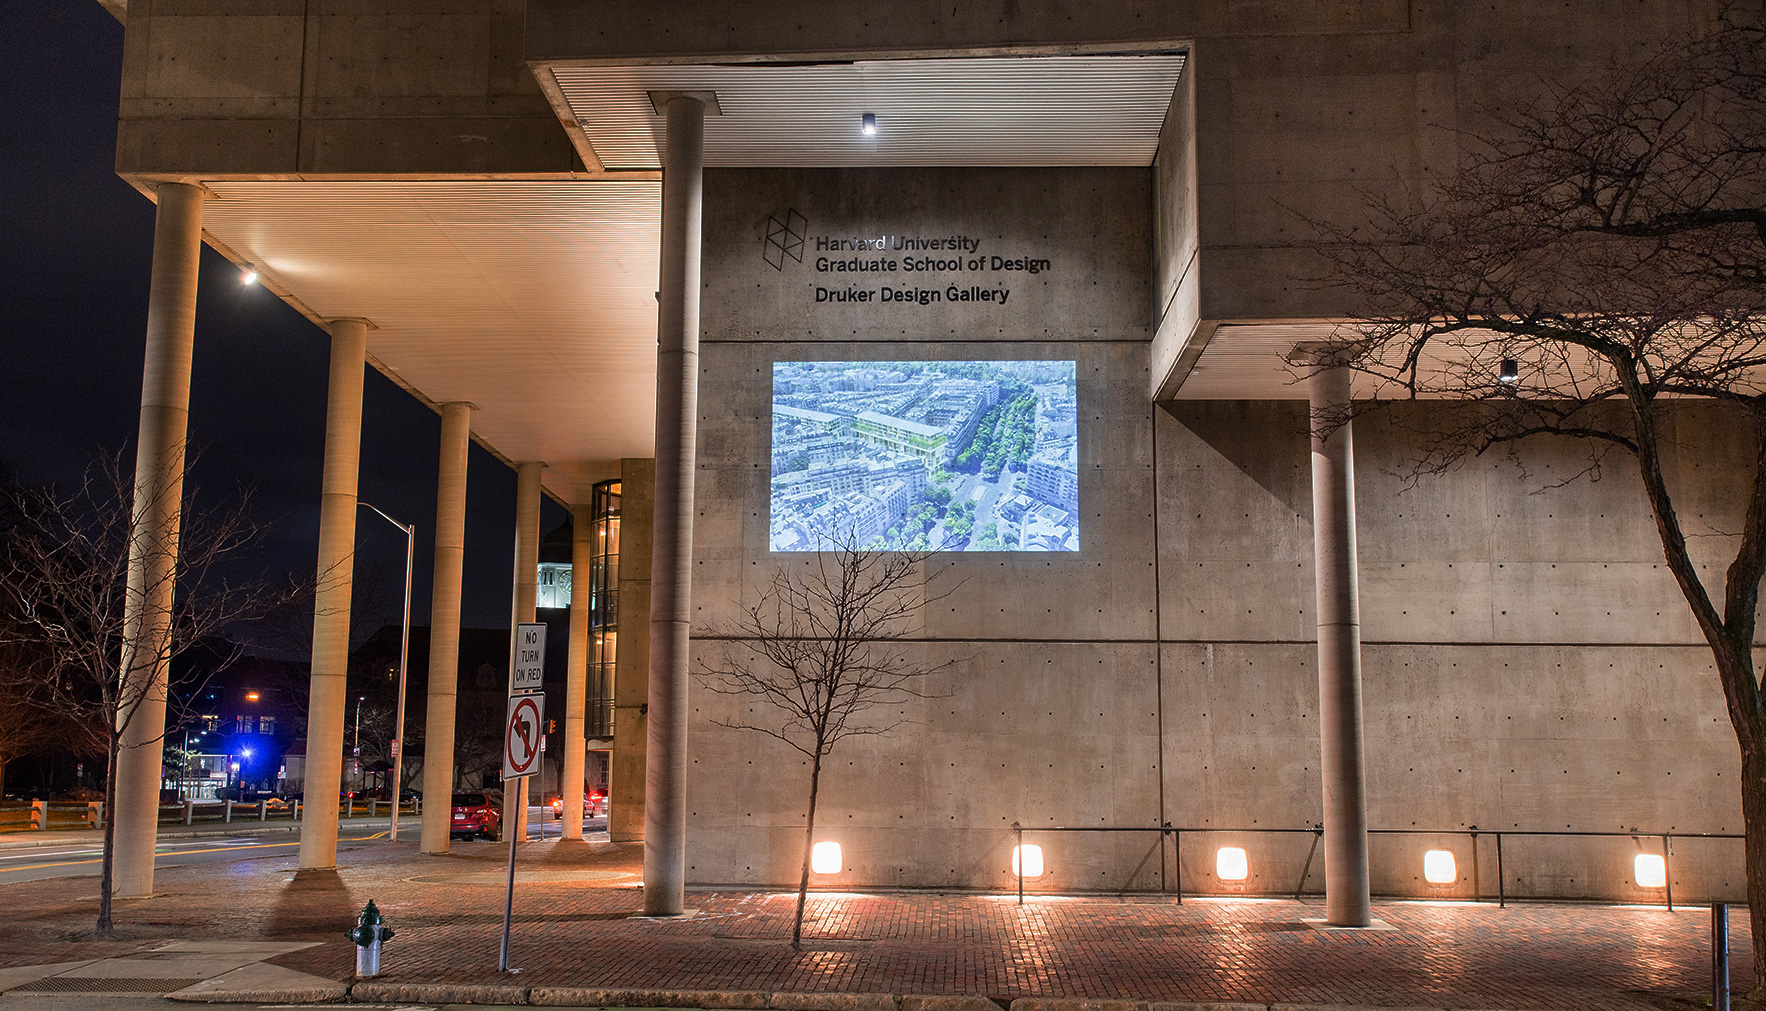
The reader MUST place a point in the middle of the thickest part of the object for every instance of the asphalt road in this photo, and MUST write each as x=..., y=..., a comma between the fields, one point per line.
x=82, y=860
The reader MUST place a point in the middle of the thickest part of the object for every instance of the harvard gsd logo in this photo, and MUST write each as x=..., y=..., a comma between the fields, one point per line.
x=784, y=237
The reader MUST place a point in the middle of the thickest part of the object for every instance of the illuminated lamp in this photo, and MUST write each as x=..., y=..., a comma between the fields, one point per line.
x=1027, y=860
x=1650, y=870
x=249, y=276
x=1439, y=868
x=825, y=858
x=1230, y=864
x=868, y=124
x=1510, y=371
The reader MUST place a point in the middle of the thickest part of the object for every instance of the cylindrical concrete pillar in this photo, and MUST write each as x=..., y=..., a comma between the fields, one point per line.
x=158, y=513
x=1343, y=758
x=576, y=684
x=677, y=407
x=523, y=600
x=444, y=627
x=331, y=599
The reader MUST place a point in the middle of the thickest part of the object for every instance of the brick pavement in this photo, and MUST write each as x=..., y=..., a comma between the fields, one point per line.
x=574, y=927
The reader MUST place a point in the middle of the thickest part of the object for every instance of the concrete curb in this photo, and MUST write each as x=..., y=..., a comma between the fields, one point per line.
x=722, y=1000
x=298, y=995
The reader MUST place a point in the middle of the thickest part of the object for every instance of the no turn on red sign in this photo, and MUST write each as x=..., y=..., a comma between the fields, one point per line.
x=522, y=737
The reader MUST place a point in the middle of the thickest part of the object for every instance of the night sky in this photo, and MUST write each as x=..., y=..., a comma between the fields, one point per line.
x=74, y=264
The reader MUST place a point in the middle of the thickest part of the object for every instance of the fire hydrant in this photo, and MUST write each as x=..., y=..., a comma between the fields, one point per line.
x=369, y=933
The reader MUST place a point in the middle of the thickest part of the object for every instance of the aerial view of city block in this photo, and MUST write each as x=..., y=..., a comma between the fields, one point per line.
x=925, y=456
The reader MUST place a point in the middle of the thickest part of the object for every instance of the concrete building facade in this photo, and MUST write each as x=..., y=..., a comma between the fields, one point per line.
x=1131, y=187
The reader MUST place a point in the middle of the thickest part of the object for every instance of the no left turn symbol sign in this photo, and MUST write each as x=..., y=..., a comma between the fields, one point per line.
x=521, y=736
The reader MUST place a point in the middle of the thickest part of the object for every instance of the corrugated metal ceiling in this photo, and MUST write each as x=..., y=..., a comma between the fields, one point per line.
x=1098, y=110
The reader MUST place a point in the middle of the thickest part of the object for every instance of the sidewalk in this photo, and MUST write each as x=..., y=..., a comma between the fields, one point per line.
x=576, y=942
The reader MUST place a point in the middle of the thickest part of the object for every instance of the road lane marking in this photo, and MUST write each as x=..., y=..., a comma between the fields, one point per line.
x=180, y=853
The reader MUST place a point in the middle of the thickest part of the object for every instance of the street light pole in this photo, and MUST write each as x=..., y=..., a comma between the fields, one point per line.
x=357, y=747
x=398, y=729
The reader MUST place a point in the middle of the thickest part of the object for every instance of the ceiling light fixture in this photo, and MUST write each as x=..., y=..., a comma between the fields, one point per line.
x=1510, y=372
x=868, y=124
x=250, y=276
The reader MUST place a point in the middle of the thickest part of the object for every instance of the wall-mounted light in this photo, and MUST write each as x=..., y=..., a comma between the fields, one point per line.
x=1231, y=864
x=825, y=858
x=1509, y=372
x=1027, y=860
x=1649, y=870
x=867, y=124
x=249, y=275
x=1439, y=868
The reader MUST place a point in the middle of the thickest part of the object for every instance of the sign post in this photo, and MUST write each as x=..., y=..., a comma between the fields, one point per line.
x=523, y=735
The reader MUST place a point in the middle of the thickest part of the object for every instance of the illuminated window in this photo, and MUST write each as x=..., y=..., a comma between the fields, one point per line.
x=266, y=724
x=1439, y=868
x=242, y=724
x=1030, y=857
x=1650, y=870
x=1230, y=864
x=825, y=858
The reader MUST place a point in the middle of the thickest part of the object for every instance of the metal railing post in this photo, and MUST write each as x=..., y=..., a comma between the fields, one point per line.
x=1018, y=860
x=1719, y=956
x=1668, y=870
x=1300, y=886
x=1501, y=878
x=1177, y=860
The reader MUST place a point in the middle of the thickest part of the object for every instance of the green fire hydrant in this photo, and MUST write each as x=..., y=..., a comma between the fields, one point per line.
x=369, y=933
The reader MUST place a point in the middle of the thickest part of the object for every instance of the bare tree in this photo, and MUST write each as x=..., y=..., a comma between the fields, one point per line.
x=65, y=579
x=823, y=646
x=1596, y=270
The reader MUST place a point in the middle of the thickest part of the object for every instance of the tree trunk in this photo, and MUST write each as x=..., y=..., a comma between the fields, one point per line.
x=1753, y=807
x=809, y=835
x=105, y=929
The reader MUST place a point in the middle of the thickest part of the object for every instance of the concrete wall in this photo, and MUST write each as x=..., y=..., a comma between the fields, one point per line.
x=1300, y=106
x=1529, y=664
x=302, y=88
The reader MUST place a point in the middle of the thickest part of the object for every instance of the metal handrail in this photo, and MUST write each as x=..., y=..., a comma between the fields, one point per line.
x=1317, y=832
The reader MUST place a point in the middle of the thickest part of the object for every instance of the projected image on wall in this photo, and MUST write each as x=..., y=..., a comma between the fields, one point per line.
x=925, y=456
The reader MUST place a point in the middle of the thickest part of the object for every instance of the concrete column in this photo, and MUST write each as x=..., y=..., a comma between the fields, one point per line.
x=444, y=628
x=576, y=686
x=158, y=513
x=331, y=600
x=527, y=591
x=1343, y=758
x=631, y=676
x=677, y=414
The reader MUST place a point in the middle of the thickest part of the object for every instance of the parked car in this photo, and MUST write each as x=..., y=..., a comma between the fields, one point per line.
x=476, y=813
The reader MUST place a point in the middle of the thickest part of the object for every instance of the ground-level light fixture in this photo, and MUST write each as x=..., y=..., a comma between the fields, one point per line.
x=1027, y=860
x=1649, y=870
x=1509, y=371
x=249, y=275
x=1231, y=864
x=867, y=124
x=825, y=858
x=1439, y=868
